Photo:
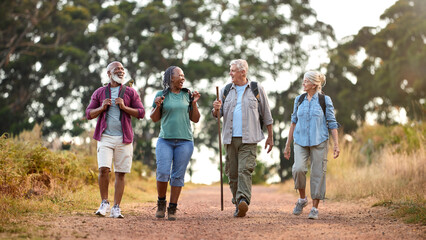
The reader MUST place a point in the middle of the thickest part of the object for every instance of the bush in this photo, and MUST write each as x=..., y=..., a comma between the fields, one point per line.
x=29, y=169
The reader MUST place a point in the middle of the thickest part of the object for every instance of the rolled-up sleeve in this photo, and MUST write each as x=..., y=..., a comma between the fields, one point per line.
x=221, y=109
x=330, y=117
x=137, y=103
x=294, y=114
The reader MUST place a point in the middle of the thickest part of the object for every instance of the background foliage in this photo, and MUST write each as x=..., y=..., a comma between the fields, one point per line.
x=53, y=55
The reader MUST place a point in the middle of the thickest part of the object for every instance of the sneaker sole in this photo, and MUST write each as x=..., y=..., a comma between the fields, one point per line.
x=242, y=209
x=100, y=214
x=314, y=218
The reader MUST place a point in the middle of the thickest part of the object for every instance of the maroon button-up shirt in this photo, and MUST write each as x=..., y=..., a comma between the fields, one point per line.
x=131, y=99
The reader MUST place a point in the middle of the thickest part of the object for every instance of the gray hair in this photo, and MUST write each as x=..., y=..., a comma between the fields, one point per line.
x=167, y=77
x=241, y=64
x=315, y=78
x=111, y=67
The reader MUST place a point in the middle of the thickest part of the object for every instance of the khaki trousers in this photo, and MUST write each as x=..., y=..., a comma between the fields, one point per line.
x=239, y=165
x=318, y=156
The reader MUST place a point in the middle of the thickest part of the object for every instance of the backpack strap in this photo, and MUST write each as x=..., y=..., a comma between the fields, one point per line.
x=191, y=98
x=107, y=92
x=121, y=95
x=225, y=93
x=122, y=91
x=321, y=99
x=301, y=98
x=166, y=91
x=255, y=90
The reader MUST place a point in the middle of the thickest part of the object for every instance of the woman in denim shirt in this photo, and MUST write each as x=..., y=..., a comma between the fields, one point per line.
x=309, y=127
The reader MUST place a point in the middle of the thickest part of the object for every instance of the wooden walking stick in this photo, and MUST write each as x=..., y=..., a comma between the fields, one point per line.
x=220, y=151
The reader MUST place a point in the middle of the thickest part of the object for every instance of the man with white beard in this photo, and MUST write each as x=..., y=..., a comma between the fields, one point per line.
x=114, y=105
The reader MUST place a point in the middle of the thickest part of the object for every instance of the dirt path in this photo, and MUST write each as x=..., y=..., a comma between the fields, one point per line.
x=269, y=217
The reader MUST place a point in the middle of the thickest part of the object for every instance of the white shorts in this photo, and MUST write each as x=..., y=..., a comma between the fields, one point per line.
x=112, y=147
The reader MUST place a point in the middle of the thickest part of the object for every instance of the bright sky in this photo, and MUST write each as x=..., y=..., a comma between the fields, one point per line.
x=346, y=17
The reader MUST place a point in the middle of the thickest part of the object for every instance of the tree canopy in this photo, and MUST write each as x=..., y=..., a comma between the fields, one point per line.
x=53, y=55
x=381, y=71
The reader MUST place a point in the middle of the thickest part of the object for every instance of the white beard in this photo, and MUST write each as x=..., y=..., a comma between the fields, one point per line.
x=116, y=79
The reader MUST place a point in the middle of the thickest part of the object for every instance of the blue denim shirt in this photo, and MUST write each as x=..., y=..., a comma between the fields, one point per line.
x=311, y=125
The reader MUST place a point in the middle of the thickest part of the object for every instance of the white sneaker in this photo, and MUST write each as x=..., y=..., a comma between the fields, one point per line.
x=313, y=214
x=103, y=209
x=116, y=212
x=300, y=204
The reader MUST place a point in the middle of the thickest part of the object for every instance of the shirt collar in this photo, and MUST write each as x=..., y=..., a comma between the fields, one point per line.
x=248, y=84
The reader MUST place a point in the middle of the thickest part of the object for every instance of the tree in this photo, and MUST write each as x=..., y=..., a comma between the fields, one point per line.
x=199, y=36
x=43, y=50
x=390, y=77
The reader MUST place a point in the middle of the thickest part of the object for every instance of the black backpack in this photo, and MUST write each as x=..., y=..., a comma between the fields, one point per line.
x=254, y=89
x=120, y=94
x=321, y=100
x=191, y=98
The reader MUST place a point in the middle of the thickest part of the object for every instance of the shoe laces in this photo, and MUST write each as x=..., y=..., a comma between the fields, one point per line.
x=104, y=205
x=161, y=205
x=172, y=210
x=117, y=210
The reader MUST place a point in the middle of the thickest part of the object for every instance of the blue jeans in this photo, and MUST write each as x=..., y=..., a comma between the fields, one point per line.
x=173, y=156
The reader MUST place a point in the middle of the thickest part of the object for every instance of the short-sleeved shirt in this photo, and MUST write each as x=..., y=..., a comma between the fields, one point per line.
x=175, y=123
x=237, y=123
x=311, y=124
x=113, y=126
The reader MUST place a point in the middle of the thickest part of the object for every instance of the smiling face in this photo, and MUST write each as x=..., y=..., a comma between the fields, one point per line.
x=308, y=86
x=117, y=73
x=178, y=78
x=237, y=76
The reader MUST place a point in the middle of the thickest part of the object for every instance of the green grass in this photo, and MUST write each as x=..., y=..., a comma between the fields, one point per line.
x=413, y=211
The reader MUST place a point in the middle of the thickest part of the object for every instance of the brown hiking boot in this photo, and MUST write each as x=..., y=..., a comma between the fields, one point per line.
x=242, y=208
x=161, y=208
x=171, y=213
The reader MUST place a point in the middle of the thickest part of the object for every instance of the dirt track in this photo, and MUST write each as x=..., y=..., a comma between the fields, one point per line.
x=269, y=217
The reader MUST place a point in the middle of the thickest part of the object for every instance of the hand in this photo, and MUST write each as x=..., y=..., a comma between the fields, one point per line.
x=159, y=100
x=269, y=142
x=196, y=95
x=217, y=104
x=336, y=151
x=287, y=152
x=106, y=103
x=120, y=102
